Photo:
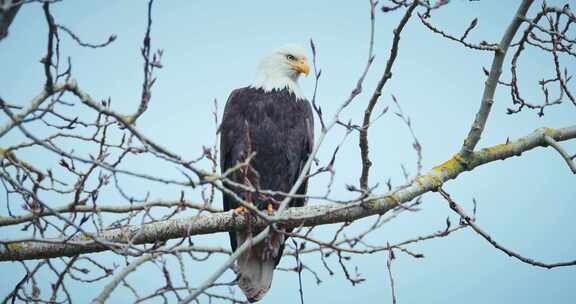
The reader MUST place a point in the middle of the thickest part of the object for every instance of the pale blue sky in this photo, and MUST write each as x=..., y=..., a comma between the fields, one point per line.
x=211, y=48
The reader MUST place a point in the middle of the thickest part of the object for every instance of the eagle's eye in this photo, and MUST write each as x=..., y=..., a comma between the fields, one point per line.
x=290, y=57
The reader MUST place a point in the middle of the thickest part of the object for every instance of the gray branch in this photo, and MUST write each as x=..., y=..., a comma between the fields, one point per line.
x=562, y=153
x=312, y=215
x=492, y=81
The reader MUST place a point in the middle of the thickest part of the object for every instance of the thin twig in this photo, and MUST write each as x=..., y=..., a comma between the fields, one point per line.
x=389, y=266
x=363, y=140
x=562, y=152
x=470, y=221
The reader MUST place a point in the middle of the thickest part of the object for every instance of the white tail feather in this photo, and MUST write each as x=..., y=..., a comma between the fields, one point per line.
x=256, y=265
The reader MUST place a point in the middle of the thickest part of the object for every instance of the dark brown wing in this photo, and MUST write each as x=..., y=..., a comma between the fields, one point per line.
x=277, y=127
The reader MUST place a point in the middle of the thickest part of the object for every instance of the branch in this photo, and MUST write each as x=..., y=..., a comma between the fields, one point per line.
x=105, y=293
x=85, y=44
x=470, y=221
x=391, y=257
x=233, y=257
x=35, y=104
x=72, y=208
x=312, y=215
x=492, y=81
x=481, y=46
x=562, y=152
x=363, y=141
x=121, y=276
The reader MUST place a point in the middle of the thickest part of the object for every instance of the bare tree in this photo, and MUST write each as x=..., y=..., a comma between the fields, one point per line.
x=56, y=237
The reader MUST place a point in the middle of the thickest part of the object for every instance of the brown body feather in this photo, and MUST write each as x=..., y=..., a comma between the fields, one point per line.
x=278, y=128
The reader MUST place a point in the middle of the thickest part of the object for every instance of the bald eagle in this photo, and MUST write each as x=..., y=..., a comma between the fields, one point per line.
x=273, y=121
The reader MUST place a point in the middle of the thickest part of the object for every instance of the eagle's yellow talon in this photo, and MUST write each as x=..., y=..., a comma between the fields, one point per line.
x=239, y=210
x=270, y=208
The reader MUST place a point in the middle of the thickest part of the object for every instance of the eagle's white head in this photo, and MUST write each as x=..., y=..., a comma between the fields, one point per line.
x=281, y=69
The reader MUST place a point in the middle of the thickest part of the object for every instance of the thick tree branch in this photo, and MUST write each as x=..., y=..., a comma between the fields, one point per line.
x=293, y=217
x=492, y=81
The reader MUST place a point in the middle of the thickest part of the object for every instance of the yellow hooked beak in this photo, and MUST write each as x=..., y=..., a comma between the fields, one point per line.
x=301, y=66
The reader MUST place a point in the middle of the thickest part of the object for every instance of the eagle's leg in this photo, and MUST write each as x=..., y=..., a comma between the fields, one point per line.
x=240, y=210
x=270, y=205
x=270, y=208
